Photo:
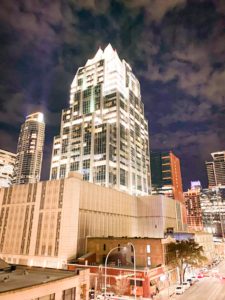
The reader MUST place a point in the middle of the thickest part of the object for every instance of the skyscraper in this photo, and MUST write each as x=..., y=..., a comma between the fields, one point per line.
x=104, y=134
x=213, y=210
x=216, y=169
x=30, y=150
x=166, y=175
x=7, y=161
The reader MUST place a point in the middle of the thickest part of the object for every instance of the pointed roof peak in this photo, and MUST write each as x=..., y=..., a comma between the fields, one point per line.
x=98, y=53
x=107, y=53
x=109, y=48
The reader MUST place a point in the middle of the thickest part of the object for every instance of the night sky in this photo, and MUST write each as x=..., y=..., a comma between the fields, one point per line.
x=176, y=49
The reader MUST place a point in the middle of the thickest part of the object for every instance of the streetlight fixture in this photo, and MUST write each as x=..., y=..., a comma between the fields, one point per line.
x=107, y=256
x=135, y=282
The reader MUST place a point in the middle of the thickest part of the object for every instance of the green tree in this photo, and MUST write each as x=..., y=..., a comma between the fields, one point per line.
x=184, y=253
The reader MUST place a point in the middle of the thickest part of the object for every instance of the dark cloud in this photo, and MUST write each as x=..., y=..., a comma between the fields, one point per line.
x=175, y=47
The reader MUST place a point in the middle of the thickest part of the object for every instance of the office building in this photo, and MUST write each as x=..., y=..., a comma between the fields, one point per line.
x=30, y=150
x=7, y=162
x=32, y=283
x=166, y=175
x=47, y=223
x=193, y=207
x=216, y=169
x=213, y=210
x=104, y=134
x=210, y=174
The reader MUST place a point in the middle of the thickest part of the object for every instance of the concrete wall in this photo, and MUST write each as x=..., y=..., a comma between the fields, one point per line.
x=50, y=221
x=39, y=223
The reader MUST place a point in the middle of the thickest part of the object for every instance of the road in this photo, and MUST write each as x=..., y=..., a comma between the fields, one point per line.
x=209, y=288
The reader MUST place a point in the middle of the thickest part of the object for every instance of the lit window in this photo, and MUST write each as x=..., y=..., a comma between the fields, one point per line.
x=148, y=249
x=149, y=261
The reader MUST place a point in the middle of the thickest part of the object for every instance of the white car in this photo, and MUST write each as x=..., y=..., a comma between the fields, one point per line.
x=194, y=278
x=186, y=285
x=106, y=296
x=179, y=290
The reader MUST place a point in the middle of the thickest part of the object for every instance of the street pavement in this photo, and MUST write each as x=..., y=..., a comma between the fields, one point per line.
x=208, y=288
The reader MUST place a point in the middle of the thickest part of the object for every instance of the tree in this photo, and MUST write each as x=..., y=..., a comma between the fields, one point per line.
x=122, y=285
x=184, y=253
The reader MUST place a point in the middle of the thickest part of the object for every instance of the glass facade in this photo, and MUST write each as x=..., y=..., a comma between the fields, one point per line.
x=30, y=150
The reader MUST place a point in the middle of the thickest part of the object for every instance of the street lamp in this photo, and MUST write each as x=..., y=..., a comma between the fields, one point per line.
x=135, y=283
x=107, y=256
x=106, y=266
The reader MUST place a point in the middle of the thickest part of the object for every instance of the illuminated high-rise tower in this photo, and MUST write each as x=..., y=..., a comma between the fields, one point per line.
x=104, y=134
x=30, y=150
x=216, y=169
x=166, y=175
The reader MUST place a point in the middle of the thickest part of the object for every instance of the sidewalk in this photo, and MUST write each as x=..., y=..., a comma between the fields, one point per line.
x=167, y=293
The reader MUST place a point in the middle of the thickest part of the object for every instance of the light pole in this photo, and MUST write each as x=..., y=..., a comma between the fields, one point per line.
x=106, y=266
x=135, y=283
x=106, y=259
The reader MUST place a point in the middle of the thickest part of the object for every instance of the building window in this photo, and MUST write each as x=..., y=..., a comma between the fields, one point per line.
x=139, y=185
x=99, y=174
x=74, y=166
x=148, y=249
x=86, y=164
x=62, y=171
x=80, y=82
x=86, y=106
x=87, y=143
x=100, y=140
x=138, y=282
x=69, y=294
x=148, y=261
x=123, y=177
x=104, y=247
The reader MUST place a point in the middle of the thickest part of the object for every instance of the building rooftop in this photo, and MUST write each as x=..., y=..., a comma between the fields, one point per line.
x=123, y=237
x=25, y=276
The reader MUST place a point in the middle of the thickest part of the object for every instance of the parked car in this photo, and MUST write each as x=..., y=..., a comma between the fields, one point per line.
x=106, y=296
x=186, y=285
x=92, y=294
x=194, y=278
x=120, y=298
x=179, y=289
x=190, y=281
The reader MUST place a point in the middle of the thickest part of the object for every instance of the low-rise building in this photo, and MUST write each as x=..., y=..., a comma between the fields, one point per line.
x=122, y=280
x=32, y=283
x=149, y=252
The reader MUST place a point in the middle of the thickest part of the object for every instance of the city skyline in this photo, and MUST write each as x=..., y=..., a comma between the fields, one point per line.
x=169, y=49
